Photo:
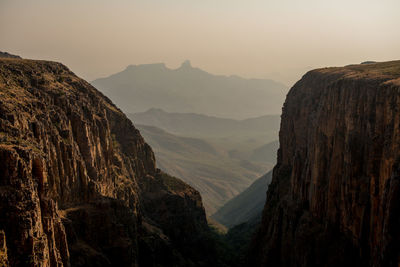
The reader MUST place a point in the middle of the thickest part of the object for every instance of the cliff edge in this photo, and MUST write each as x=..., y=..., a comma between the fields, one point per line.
x=78, y=184
x=335, y=195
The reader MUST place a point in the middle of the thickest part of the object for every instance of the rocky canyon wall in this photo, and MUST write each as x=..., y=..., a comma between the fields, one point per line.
x=335, y=194
x=78, y=184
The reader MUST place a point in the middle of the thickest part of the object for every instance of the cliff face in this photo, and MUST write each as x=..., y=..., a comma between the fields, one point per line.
x=335, y=195
x=78, y=184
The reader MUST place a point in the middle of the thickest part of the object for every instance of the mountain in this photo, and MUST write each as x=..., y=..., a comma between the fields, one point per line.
x=335, y=192
x=207, y=167
x=246, y=206
x=263, y=153
x=191, y=90
x=78, y=184
x=263, y=128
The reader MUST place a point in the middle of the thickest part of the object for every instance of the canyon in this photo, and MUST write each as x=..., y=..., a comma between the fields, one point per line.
x=79, y=186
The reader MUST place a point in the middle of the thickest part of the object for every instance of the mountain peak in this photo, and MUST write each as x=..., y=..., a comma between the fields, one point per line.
x=186, y=64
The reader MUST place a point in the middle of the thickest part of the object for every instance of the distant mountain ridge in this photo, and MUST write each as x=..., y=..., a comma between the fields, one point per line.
x=192, y=124
x=263, y=153
x=191, y=90
x=207, y=167
x=247, y=206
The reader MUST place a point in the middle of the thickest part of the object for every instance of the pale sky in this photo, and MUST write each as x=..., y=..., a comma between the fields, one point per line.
x=277, y=39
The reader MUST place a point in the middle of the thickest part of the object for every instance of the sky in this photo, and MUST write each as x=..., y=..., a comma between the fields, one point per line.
x=276, y=39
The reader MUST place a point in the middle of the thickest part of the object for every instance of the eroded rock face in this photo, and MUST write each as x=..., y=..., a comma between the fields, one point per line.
x=3, y=249
x=78, y=184
x=335, y=195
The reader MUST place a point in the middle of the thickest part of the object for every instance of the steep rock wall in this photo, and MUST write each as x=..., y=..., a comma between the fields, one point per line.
x=78, y=184
x=335, y=194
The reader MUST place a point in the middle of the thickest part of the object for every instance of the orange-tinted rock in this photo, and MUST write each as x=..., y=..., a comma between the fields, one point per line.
x=335, y=195
x=3, y=249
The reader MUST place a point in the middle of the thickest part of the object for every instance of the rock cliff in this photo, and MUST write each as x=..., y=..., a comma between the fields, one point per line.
x=335, y=195
x=78, y=184
x=8, y=55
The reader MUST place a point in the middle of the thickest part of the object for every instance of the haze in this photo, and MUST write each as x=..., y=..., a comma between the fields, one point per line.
x=259, y=39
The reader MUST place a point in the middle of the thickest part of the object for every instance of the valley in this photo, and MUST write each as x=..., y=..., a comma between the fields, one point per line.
x=220, y=161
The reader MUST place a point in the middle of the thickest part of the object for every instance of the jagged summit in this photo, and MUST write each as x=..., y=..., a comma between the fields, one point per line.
x=186, y=65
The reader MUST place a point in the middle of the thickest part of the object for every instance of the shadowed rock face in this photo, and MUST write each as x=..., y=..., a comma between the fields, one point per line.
x=78, y=185
x=7, y=55
x=335, y=194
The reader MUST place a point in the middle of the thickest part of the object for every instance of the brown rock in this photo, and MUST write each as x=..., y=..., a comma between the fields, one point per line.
x=3, y=249
x=334, y=199
x=78, y=184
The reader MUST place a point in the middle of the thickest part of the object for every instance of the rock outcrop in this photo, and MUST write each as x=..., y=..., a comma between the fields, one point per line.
x=3, y=250
x=335, y=195
x=78, y=184
x=8, y=55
